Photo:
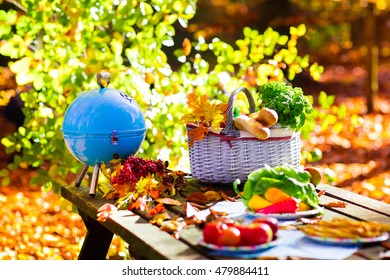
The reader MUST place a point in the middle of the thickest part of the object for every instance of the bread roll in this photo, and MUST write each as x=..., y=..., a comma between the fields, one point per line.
x=255, y=128
x=267, y=117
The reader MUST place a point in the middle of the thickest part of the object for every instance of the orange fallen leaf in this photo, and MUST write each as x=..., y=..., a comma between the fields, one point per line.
x=156, y=209
x=168, y=201
x=154, y=193
x=321, y=192
x=336, y=204
x=198, y=198
x=226, y=197
x=104, y=212
x=212, y=196
x=140, y=203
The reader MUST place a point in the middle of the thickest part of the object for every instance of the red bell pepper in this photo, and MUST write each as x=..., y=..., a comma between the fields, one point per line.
x=289, y=205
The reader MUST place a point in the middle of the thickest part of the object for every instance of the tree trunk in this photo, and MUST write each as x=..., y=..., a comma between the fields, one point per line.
x=372, y=57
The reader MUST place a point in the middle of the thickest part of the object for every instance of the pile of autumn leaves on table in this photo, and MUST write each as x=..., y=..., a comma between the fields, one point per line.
x=137, y=183
x=147, y=185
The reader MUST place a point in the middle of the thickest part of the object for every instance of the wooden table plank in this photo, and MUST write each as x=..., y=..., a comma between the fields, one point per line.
x=142, y=236
x=355, y=211
x=357, y=199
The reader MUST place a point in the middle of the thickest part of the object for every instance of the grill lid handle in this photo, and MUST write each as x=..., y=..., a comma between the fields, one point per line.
x=103, y=79
x=114, y=138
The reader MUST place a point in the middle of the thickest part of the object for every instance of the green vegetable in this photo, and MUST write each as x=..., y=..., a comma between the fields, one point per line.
x=293, y=182
x=290, y=103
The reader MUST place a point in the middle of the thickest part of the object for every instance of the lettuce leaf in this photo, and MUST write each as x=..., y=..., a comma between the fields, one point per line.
x=294, y=182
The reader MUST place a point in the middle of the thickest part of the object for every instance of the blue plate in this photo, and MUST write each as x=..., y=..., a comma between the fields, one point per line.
x=241, y=249
x=349, y=241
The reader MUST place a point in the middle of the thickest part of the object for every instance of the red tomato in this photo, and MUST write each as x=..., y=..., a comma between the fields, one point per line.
x=230, y=236
x=211, y=232
x=256, y=234
x=271, y=221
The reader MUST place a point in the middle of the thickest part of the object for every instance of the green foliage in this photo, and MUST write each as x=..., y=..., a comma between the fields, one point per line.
x=57, y=49
x=289, y=102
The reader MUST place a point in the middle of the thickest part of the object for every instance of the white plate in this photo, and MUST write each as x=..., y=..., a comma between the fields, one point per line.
x=240, y=249
x=285, y=216
x=348, y=241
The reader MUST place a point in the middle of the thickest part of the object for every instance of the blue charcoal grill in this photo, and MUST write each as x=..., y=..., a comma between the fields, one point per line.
x=101, y=124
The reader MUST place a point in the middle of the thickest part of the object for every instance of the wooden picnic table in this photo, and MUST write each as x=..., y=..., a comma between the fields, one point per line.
x=147, y=241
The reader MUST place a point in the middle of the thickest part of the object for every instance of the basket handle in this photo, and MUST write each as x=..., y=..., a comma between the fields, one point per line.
x=229, y=110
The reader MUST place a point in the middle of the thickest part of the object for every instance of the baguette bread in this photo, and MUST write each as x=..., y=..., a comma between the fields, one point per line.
x=267, y=117
x=255, y=128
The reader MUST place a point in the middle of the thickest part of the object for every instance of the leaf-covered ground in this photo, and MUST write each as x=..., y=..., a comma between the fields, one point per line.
x=358, y=155
x=37, y=225
x=40, y=225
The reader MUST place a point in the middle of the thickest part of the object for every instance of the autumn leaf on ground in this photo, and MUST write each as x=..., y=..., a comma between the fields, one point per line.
x=197, y=133
x=321, y=193
x=166, y=189
x=169, y=201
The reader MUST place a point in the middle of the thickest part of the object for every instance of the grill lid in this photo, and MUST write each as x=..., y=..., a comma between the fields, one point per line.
x=102, y=111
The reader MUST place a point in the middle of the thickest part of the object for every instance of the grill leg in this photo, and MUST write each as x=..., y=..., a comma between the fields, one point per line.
x=81, y=175
x=94, y=181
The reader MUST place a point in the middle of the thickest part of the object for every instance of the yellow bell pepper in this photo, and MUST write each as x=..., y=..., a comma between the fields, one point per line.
x=257, y=202
x=303, y=206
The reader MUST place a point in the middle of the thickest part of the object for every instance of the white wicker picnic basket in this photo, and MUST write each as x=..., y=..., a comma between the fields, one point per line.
x=225, y=157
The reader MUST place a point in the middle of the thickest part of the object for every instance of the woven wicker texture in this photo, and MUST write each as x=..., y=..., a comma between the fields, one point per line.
x=227, y=157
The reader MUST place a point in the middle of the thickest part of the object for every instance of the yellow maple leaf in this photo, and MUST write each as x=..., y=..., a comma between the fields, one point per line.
x=145, y=184
x=189, y=118
x=204, y=113
x=223, y=107
x=213, y=116
x=196, y=104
